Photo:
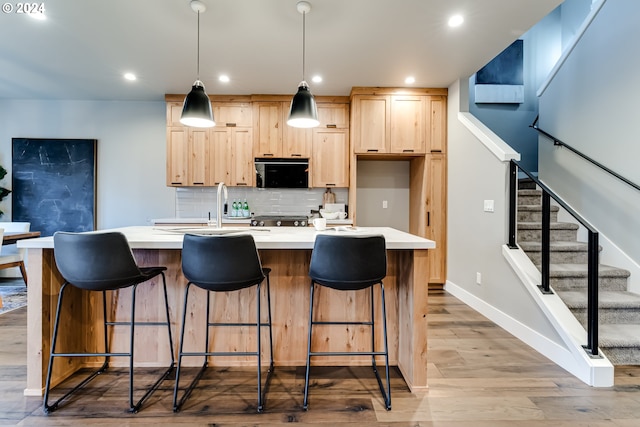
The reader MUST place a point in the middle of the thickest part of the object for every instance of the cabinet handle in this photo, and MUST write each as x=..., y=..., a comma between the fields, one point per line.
x=332, y=126
x=176, y=183
x=407, y=151
x=296, y=155
x=267, y=154
x=428, y=219
x=198, y=183
x=231, y=125
x=371, y=150
x=436, y=151
x=241, y=183
x=330, y=184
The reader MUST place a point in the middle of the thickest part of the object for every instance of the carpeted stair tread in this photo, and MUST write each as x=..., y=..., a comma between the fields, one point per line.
x=529, y=192
x=619, y=335
x=606, y=300
x=536, y=208
x=581, y=270
x=554, y=246
x=523, y=225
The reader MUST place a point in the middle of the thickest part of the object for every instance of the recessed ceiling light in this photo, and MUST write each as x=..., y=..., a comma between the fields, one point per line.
x=410, y=80
x=316, y=79
x=224, y=78
x=456, y=21
x=130, y=76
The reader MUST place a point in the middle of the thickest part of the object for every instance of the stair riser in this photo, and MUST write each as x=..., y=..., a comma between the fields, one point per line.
x=610, y=316
x=529, y=200
x=569, y=257
x=554, y=235
x=576, y=283
x=622, y=355
x=535, y=216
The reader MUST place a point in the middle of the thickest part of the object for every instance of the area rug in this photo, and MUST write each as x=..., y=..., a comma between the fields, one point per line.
x=13, y=297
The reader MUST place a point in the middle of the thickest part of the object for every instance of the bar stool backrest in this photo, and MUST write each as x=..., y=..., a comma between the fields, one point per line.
x=348, y=262
x=96, y=261
x=221, y=263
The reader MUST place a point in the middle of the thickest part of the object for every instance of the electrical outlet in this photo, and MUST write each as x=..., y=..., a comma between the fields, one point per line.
x=479, y=278
x=385, y=205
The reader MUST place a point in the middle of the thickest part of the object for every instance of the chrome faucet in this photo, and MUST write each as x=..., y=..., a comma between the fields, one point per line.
x=221, y=188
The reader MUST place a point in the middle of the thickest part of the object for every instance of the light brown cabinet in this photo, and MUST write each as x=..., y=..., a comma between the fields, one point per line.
x=330, y=160
x=407, y=124
x=177, y=149
x=384, y=123
x=273, y=138
x=436, y=213
x=330, y=155
x=205, y=157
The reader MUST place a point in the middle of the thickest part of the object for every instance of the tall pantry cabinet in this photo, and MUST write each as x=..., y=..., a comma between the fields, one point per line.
x=407, y=124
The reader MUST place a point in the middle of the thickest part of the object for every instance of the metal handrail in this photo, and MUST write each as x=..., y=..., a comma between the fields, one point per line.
x=557, y=142
x=592, y=248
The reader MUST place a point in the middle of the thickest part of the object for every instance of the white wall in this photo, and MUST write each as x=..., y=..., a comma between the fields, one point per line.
x=591, y=104
x=475, y=237
x=131, y=152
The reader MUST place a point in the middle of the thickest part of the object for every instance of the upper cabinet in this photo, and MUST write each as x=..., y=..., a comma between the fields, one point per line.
x=394, y=121
x=330, y=156
x=207, y=156
x=272, y=137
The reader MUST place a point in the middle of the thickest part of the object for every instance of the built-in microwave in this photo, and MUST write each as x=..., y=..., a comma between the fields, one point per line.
x=282, y=173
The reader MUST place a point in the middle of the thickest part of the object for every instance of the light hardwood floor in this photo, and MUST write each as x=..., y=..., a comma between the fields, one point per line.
x=480, y=376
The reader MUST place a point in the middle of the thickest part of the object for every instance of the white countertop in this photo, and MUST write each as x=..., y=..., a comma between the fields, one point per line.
x=168, y=237
x=229, y=220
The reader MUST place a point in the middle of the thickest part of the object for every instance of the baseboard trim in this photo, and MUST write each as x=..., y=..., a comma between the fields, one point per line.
x=594, y=372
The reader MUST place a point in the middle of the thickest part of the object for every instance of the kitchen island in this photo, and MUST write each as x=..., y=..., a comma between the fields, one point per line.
x=287, y=251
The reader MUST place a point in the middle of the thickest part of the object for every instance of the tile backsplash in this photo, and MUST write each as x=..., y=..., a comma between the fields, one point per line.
x=198, y=202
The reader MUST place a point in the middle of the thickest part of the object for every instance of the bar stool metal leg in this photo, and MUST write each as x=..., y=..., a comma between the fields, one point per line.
x=305, y=403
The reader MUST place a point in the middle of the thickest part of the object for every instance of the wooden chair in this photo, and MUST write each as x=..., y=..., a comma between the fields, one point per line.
x=10, y=255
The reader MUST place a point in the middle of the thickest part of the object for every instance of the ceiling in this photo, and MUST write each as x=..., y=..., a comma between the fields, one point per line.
x=83, y=48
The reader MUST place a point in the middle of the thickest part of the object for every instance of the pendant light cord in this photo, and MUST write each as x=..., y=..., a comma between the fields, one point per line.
x=198, y=44
x=304, y=15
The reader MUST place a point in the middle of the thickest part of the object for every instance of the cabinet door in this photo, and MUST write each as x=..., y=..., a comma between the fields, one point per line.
x=220, y=156
x=407, y=124
x=198, y=165
x=330, y=161
x=230, y=114
x=436, y=216
x=243, y=171
x=333, y=115
x=174, y=112
x=437, y=126
x=267, y=125
x=371, y=116
x=177, y=148
x=297, y=142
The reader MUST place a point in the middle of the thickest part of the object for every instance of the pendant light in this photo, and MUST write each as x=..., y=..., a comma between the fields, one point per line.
x=196, y=110
x=303, y=112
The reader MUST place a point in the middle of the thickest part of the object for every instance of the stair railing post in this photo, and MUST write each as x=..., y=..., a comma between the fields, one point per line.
x=545, y=243
x=592, y=290
x=513, y=191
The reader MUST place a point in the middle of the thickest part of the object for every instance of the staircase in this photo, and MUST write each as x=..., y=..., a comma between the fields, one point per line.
x=619, y=310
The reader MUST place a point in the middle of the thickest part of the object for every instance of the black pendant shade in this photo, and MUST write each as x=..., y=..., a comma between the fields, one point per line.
x=196, y=110
x=303, y=112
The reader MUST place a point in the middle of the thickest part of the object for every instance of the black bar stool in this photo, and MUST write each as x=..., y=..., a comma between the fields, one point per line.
x=223, y=264
x=349, y=263
x=103, y=262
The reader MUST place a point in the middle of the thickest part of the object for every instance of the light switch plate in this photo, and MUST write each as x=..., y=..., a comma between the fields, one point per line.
x=488, y=205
